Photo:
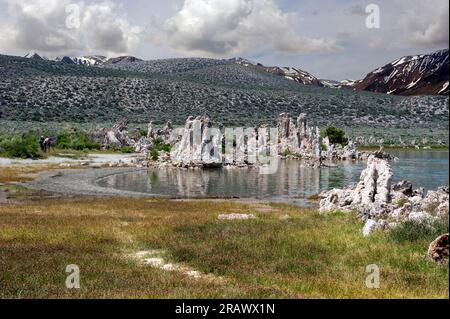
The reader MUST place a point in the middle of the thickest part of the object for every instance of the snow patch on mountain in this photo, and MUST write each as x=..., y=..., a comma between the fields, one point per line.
x=444, y=88
x=410, y=75
x=290, y=73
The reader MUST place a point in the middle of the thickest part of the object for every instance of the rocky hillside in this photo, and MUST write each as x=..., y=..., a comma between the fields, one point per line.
x=410, y=75
x=143, y=91
x=96, y=60
x=290, y=73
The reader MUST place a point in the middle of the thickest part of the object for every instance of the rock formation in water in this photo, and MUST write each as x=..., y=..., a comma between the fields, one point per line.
x=382, y=205
x=198, y=146
x=369, y=196
x=296, y=138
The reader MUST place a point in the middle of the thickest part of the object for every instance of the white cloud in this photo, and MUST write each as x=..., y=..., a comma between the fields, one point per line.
x=426, y=24
x=233, y=27
x=40, y=25
x=105, y=30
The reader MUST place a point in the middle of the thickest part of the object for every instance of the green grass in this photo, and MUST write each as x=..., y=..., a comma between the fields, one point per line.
x=127, y=150
x=19, y=145
x=76, y=140
x=307, y=256
x=69, y=143
x=411, y=231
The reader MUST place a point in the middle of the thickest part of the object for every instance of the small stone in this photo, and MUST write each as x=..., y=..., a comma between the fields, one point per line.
x=154, y=262
x=236, y=216
x=193, y=274
x=372, y=226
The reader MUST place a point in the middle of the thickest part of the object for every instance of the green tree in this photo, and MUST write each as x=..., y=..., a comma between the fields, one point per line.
x=335, y=135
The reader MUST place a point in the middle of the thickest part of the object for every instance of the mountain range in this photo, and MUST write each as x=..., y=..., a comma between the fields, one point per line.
x=88, y=60
x=426, y=74
x=35, y=92
x=410, y=75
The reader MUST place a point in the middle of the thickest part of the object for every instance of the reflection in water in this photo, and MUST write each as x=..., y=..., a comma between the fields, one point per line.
x=292, y=183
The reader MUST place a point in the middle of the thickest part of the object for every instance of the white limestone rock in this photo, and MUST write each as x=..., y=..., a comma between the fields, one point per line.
x=421, y=217
x=372, y=226
x=370, y=197
x=236, y=216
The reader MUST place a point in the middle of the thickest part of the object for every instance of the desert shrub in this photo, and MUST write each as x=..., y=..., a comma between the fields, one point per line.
x=414, y=231
x=76, y=141
x=166, y=148
x=159, y=145
x=314, y=198
x=154, y=154
x=20, y=145
x=127, y=149
x=335, y=135
x=142, y=132
x=401, y=203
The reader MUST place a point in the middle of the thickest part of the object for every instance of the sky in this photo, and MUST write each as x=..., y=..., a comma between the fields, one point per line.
x=328, y=38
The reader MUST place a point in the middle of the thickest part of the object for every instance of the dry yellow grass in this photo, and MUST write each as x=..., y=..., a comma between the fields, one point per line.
x=306, y=256
x=22, y=173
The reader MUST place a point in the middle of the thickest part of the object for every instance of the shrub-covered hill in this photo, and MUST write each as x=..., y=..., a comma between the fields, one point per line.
x=173, y=89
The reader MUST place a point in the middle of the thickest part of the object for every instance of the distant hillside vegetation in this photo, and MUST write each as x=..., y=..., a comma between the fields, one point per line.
x=143, y=91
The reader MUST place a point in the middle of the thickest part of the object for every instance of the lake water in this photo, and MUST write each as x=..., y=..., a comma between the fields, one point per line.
x=292, y=183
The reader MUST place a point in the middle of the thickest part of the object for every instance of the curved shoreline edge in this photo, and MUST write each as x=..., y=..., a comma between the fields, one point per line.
x=83, y=182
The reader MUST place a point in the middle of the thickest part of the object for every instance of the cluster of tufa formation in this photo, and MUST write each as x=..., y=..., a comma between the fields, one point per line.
x=200, y=144
x=119, y=137
x=296, y=138
x=384, y=206
x=375, y=199
x=116, y=137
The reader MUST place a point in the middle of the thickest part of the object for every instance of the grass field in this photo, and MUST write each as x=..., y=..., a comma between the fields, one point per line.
x=305, y=256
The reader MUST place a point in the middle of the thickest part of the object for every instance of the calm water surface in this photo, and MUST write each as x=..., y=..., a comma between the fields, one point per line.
x=292, y=183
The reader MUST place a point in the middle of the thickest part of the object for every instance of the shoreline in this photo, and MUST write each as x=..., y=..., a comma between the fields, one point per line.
x=83, y=182
x=73, y=177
